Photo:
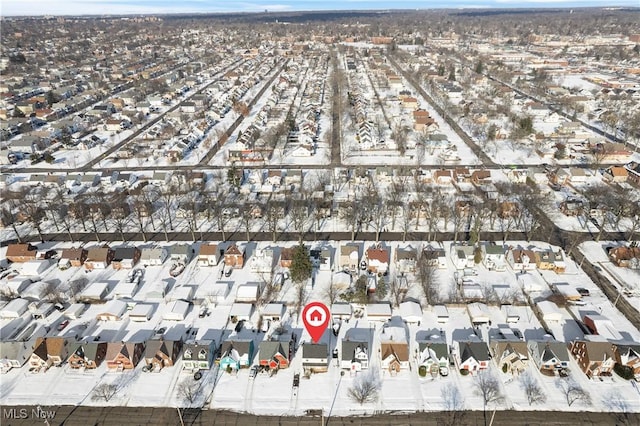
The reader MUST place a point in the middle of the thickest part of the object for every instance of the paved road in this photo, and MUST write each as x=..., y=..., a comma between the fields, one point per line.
x=123, y=416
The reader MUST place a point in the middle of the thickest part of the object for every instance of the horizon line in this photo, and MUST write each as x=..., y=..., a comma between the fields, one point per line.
x=266, y=11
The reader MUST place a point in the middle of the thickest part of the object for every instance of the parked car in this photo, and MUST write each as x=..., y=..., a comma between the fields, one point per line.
x=62, y=325
x=583, y=291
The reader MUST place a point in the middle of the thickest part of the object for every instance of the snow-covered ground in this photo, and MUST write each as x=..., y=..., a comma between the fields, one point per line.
x=328, y=392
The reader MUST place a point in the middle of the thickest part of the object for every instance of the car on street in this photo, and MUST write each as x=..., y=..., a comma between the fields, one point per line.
x=253, y=371
x=62, y=325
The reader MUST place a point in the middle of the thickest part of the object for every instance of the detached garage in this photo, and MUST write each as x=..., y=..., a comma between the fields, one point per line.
x=176, y=311
x=549, y=311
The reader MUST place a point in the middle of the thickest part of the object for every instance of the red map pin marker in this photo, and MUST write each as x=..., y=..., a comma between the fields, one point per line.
x=315, y=317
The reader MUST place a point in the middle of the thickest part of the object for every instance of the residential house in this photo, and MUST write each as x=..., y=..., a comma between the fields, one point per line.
x=356, y=349
x=73, y=256
x=125, y=257
x=236, y=354
x=234, y=256
x=377, y=259
x=275, y=353
x=19, y=253
x=198, y=354
x=433, y=351
x=315, y=357
x=160, y=353
x=208, y=255
x=394, y=346
x=481, y=177
x=463, y=256
x=17, y=349
x=124, y=355
x=262, y=261
x=616, y=174
x=98, y=258
x=511, y=356
x=349, y=257
x=473, y=356
x=595, y=358
x=50, y=351
x=180, y=253
x=634, y=172
x=550, y=260
x=406, y=260
x=322, y=258
x=625, y=257
x=572, y=207
x=286, y=256
x=521, y=259
x=494, y=257
x=87, y=355
x=548, y=356
x=435, y=256
x=628, y=354
x=153, y=256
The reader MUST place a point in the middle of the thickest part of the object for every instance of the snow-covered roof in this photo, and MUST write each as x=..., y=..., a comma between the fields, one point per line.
x=241, y=310
x=411, y=311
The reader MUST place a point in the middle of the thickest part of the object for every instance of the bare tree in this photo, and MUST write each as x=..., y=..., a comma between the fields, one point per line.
x=75, y=287
x=572, y=391
x=428, y=281
x=52, y=292
x=104, y=392
x=365, y=387
x=532, y=389
x=453, y=403
x=488, y=388
x=331, y=293
x=189, y=390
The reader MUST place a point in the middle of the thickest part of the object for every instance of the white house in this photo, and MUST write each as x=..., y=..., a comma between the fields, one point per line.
x=176, y=311
x=262, y=261
x=462, y=256
x=153, y=256
x=494, y=257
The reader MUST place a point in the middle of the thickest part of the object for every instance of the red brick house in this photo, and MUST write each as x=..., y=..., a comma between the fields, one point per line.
x=124, y=356
x=234, y=257
x=593, y=358
x=21, y=252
